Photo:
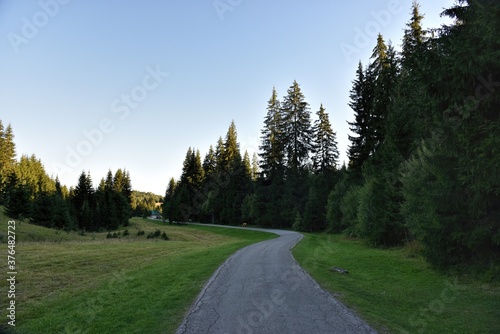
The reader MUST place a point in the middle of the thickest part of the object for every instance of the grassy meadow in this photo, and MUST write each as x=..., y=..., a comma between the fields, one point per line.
x=69, y=283
x=396, y=291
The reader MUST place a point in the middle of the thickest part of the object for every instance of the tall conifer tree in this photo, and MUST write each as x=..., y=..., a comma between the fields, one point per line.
x=272, y=155
x=297, y=134
x=326, y=153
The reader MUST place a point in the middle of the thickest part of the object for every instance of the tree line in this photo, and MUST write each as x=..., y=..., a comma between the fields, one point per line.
x=423, y=155
x=28, y=192
x=230, y=188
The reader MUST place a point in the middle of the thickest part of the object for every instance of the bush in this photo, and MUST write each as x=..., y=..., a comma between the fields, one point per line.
x=156, y=234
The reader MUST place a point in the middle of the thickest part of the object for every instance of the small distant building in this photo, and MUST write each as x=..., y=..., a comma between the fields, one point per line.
x=155, y=214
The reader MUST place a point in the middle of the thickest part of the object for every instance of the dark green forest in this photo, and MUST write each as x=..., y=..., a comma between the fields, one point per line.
x=27, y=192
x=423, y=156
x=423, y=165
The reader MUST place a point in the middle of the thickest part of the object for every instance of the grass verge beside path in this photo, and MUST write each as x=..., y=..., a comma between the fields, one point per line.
x=130, y=285
x=397, y=293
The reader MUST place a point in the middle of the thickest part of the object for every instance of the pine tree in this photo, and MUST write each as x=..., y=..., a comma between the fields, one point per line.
x=384, y=77
x=413, y=39
x=191, y=183
x=361, y=101
x=231, y=148
x=61, y=208
x=378, y=215
x=220, y=155
x=198, y=171
x=297, y=134
x=122, y=184
x=7, y=157
x=83, y=202
x=409, y=121
x=326, y=153
x=210, y=162
x=247, y=165
x=232, y=192
x=168, y=209
x=272, y=156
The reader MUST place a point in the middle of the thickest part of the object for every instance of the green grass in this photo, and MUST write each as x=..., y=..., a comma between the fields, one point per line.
x=397, y=292
x=90, y=284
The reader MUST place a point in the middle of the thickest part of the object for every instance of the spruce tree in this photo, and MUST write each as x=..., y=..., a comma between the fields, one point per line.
x=232, y=192
x=326, y=153
x=272, y=156
x=7, y=157
x=231, y=148
x=167, y=208
x=297, y=134
x=219, y=155
x=361, y=101
x=413, y=39
x=384, y=71
x=210, y=162
x=122, y=184
x=247, y=165
x=83, y=201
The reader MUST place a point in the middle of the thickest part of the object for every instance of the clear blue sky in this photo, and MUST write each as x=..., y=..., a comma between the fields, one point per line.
x=97, y=85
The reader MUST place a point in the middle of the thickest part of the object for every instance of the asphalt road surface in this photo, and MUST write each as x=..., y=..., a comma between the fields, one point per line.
x=262, y=289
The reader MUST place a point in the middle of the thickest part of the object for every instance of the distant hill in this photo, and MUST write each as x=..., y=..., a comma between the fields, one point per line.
x=144, y=202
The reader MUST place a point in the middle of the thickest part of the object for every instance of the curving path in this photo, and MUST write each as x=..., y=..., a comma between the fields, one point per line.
x=262, y=289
